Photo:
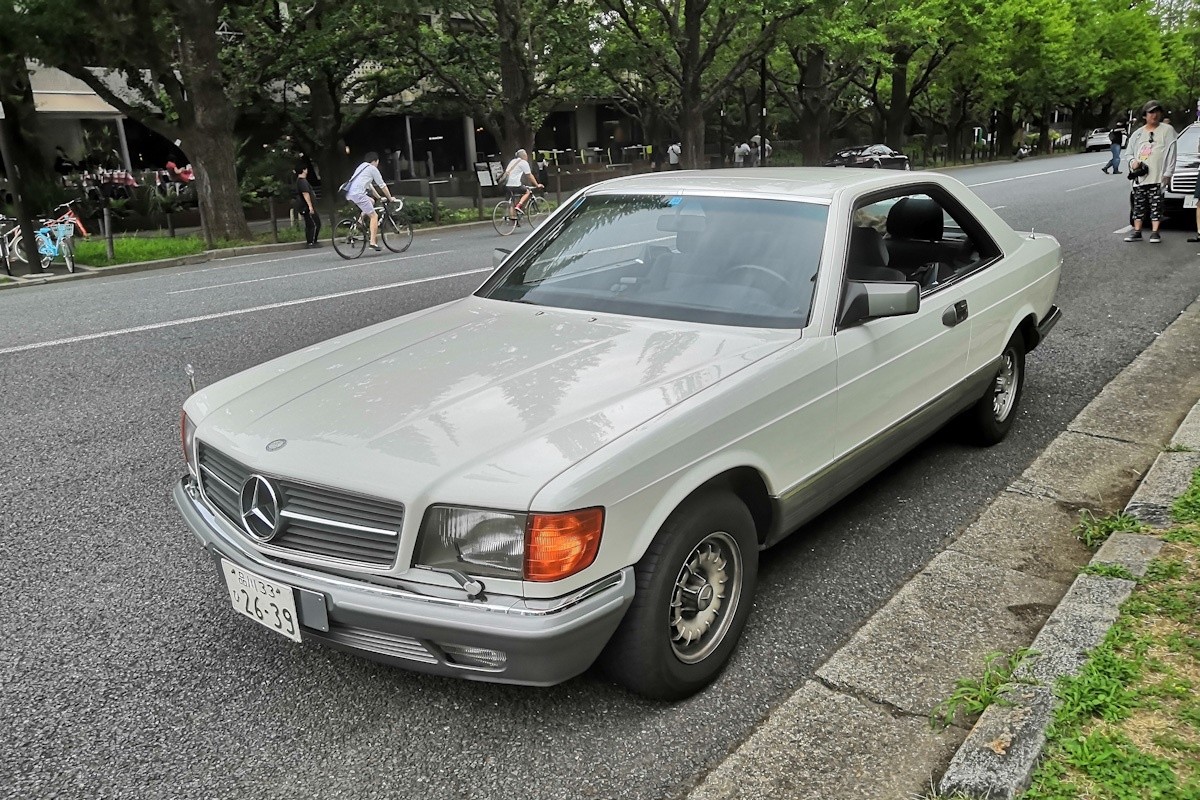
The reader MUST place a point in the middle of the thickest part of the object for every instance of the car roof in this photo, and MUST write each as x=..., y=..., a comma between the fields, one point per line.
x=817, y=183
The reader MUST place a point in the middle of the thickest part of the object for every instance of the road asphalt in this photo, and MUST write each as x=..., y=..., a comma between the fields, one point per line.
x=1009, y=580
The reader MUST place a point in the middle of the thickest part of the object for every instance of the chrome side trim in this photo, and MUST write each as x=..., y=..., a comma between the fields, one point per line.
x=212, y=474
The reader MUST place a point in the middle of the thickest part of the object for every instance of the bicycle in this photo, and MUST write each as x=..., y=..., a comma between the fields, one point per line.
x=54, y=240
x=70, y=215
x=350, y=235
x=505, y=221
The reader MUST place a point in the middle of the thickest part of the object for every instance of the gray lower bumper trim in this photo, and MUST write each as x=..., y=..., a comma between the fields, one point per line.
x=400, y=628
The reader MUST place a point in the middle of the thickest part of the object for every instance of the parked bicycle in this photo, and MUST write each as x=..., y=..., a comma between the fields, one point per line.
x=69, y=214
x=54, y=240
x=506, y=218
x=350, y=235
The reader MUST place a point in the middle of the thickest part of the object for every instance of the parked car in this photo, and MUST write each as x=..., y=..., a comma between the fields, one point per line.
x=872, y=156
x=1097, y=140
x=1179, y=193
x=582, y=459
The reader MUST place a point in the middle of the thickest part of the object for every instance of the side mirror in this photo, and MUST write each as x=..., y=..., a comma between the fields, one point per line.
x=498, y=256
x=867, y=300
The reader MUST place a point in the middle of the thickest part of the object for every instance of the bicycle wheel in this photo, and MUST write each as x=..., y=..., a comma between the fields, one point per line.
x=67, y=248
x=503, y=219
x=397, y=234
x=43, y=246
x=17, y=248
x=349, y=239
x=535, y=209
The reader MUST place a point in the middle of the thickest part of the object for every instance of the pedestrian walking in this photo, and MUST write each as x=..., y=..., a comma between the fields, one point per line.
x=306, y=206
x=1148, y=169
x=673, y=154
x=1116, y=139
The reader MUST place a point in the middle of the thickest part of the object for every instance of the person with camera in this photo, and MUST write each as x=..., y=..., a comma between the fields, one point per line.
x=1148, y=169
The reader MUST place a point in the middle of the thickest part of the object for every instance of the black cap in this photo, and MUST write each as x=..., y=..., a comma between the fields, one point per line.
x=1151, y=105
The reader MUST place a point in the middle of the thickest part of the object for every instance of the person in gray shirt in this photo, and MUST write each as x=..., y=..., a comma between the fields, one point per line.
x=1147, y=149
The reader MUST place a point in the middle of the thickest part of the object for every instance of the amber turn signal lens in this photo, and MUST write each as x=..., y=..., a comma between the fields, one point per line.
x=559, y=545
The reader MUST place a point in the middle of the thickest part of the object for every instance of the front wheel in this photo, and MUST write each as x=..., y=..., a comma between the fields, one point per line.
x=504, y=219
x=993, y=414
x=535, y=209
x=68, y=253
x=397, y=236
x=349, y=239
x=695, y=588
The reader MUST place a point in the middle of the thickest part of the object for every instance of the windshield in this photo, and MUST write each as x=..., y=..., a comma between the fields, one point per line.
x=1189, y=141
x=721, y=260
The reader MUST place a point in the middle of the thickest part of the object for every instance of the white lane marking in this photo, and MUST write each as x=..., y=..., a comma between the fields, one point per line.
x=369, y=263
x=997, y=208
x=156, y=274
x=1126, y=229
x=204, y=318
x=1032, y=175
x=1089, y=186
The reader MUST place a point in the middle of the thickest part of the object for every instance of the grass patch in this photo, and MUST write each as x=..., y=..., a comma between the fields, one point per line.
x=972, y=695
x=1186, y=507
x=1093, y=531
x=1128, y=725
x=136, y=249
x=1108, y=571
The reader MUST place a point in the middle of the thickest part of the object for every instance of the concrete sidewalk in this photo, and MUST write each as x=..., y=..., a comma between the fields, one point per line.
x=861, y=728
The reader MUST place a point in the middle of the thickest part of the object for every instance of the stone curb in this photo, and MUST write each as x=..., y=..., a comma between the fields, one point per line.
x=85, y=271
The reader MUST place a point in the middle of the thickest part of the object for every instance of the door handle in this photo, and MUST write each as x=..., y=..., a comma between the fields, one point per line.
x=954, y=314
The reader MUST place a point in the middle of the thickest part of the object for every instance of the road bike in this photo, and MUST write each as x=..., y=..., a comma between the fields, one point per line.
x=506, y=218
x=350, y=235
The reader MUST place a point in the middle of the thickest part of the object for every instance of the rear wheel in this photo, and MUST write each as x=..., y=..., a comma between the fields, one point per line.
x=397, y=235
x=504, y=220
x=695, y=588
x=349, y=238
x=993, y=414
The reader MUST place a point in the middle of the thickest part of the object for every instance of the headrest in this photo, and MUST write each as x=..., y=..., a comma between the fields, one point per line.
x=915, y=218
x=867, y=248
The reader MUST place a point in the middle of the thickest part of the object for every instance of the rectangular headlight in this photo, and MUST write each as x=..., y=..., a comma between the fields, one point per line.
x=473, y=540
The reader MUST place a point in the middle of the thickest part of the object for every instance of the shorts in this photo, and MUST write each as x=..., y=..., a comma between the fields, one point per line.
x=363, y=201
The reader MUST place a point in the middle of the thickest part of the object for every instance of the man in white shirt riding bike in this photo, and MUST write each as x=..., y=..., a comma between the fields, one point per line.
x=517, y=174
x=363, y=187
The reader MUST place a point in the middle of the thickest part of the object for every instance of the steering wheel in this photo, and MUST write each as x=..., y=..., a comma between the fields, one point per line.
x=780, y=282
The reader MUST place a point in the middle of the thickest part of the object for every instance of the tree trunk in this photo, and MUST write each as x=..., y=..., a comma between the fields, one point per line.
x=692, y=124
x=897, y=113
x=207, y=134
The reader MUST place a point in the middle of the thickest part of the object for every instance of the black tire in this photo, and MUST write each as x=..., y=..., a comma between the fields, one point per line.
x=535, y=210
x=501, y=218
x=992, y=415
x=349, y=238
x=651, y=653
x=397, y=235
x=68, y=253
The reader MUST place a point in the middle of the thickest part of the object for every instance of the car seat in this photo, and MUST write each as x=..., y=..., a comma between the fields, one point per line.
x=867, y=257
x=915, y=226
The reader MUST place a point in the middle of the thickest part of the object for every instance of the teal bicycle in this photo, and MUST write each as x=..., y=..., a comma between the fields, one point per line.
x=55, y=240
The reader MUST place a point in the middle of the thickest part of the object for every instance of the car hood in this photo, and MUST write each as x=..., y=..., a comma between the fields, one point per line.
x=477, y=401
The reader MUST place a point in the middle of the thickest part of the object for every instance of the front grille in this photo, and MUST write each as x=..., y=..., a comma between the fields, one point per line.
x=386, y=644
x=315, y=520
x=1184, y=181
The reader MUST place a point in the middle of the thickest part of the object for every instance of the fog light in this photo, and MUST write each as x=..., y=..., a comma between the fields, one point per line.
x=467, y=656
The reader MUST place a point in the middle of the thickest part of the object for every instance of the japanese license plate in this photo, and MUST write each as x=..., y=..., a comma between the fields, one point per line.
x=1189, y=201
x=270, y=604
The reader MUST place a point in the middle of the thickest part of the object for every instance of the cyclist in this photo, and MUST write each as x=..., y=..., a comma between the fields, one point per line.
x=365, y=184
x=518, y=173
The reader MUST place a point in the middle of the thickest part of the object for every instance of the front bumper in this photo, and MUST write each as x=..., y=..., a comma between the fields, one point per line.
x=541, y=646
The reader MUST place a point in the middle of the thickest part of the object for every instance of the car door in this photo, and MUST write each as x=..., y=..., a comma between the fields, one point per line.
x=894, y=373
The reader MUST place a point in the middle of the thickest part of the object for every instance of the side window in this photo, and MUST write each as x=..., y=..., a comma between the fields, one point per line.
x=921, y=240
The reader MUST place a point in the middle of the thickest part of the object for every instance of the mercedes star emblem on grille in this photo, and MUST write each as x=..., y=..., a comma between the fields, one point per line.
x=260, y=508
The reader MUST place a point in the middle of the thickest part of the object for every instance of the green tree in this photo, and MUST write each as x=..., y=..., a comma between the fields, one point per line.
x=699, y=47
x=157, y=61
x=318, y=70
x=506, y=62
